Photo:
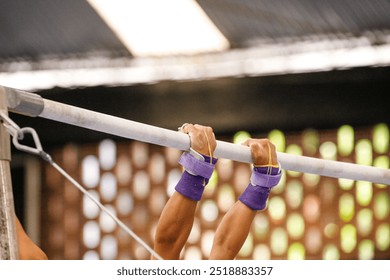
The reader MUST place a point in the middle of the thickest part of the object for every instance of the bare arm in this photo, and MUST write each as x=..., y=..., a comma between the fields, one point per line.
x=177, y=217
x=235, y=225
x=28, y=250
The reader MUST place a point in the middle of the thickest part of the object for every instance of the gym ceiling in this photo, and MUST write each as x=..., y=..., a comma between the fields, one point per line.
x=286, y=64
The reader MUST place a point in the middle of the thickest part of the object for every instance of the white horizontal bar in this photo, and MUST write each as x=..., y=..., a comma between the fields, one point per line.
x=114, y=125
x=169, y=138
x=34, y=105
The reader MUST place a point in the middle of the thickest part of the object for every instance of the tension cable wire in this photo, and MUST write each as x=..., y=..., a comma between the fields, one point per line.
x=18, y=133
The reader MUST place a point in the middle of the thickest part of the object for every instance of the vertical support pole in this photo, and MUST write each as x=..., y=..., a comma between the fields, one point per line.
x=8, y=237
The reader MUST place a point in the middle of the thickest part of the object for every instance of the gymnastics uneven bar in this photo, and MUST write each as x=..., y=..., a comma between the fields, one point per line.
x=34, y=105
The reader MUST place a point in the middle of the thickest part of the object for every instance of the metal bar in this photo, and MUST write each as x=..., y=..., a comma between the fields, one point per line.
x=169, y=138
x=8, y=237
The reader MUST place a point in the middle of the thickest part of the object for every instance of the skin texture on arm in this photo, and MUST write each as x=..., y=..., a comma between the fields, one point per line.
x=174, y=226
x=28, y=250
x=232, y=232
x=235, y=225
x=177, y=217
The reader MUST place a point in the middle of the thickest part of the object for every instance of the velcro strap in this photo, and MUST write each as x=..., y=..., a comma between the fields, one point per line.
x=195, y=166
x=265, y=180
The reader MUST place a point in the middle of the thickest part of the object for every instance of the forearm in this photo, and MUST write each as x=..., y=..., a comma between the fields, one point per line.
x=28, y=250
x=177, y=218
x=232, y=232
x=174, y=226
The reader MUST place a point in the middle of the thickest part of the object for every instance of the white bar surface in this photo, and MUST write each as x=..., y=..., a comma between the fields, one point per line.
x=174, y=139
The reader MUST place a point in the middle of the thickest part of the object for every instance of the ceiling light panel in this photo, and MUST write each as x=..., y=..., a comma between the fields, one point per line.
x=161, y=28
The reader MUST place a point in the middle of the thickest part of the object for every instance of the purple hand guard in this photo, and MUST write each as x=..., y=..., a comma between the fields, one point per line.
x=260, y=177
x=196, y=166
x=256, y=194
x=191, y=186
x=196, y=175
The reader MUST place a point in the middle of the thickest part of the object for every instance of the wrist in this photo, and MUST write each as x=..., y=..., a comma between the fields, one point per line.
x=191, y=186
x=267, y=177
x=198, y=170
x=197, y=164
x=263, y=179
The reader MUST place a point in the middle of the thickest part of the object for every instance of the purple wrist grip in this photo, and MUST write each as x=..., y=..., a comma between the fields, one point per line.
x=255, y=197
x=197, y=167
x=191, y=186
x=260, y=177
x=256, y=194
x=196, y=175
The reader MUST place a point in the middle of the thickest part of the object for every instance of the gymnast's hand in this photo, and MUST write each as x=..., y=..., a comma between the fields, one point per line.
x=263, y=152
x=202, y=138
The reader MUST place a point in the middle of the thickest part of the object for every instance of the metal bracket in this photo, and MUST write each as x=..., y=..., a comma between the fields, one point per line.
x=22, y=102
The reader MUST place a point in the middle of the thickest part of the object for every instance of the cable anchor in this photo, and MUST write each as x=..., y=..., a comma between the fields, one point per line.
x=18, y=134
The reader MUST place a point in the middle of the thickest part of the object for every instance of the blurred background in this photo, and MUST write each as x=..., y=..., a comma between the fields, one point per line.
x=311, y=75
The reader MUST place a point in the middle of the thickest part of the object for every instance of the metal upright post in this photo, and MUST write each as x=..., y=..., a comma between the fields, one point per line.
x=8, y=237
